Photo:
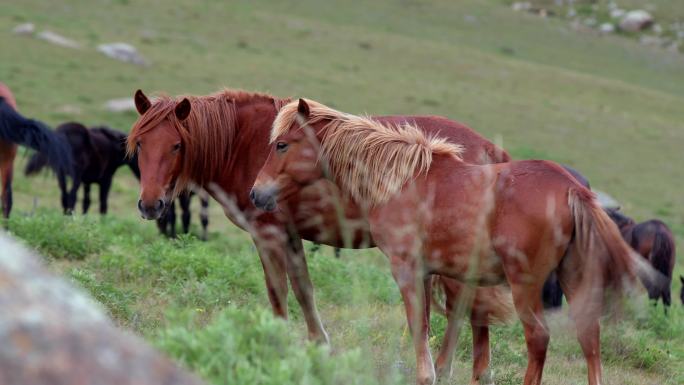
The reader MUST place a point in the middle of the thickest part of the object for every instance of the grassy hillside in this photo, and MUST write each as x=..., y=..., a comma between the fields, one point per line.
x=604, y=105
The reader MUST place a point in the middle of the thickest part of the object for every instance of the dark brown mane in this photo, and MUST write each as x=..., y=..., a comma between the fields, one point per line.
x=207, y=134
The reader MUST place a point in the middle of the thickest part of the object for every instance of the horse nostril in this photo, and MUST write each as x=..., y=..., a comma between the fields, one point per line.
x=160, y=204
x=140, y=204
x=252, y=195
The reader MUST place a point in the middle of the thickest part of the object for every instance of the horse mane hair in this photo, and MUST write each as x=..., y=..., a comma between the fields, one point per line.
x=207, y=134
x=370, y=160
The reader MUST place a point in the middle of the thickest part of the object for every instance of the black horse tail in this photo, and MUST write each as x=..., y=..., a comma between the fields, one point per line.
x=35, y=164
x=36, y=135
x=662, y=259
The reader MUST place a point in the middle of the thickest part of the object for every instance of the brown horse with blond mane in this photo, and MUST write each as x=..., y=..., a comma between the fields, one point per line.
x=220, y=143
x=432, y=213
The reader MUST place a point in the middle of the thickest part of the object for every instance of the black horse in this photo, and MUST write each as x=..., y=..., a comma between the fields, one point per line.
x=15, y=130
x=654, y=241
x=97, y=153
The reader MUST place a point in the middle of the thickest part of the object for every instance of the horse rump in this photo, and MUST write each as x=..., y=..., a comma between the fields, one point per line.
x=31, y=133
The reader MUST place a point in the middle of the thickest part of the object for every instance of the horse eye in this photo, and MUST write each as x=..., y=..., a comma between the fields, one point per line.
x=176, y=147
x=281, y=147
x=137, y=146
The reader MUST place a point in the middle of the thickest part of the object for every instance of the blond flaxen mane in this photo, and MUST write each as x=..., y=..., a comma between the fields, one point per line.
x=207, y=134
x=371, y=161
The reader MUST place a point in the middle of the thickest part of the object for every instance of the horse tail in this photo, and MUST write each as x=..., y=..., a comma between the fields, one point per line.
x=35, y=164
x=36, y=135
x=496, y=302
x=608, y=262
x=662, y=258
x=491, y=304
x=663, y=251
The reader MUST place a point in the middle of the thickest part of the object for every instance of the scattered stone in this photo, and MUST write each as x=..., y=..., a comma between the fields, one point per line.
x=617, y=13
x=635, y=21
x=120, y=105
x=607, y=28
x=57, y=39
x=572, y=13
x=123, y=52
x=26, y=29
x=590, y=22
x=521, y=6
x=69, y=109
x=53, y=334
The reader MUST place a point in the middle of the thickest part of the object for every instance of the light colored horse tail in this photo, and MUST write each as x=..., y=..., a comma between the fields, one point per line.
x=493, y=304
x=607, y=261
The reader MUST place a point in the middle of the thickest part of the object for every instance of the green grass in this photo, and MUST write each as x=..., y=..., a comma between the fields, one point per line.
x=606, y=106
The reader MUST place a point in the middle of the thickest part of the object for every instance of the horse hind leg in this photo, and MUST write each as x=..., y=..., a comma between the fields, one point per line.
x=406, y=275
x=585, y=309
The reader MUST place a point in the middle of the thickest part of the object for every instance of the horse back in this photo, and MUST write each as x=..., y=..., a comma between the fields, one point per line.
x=478, y=150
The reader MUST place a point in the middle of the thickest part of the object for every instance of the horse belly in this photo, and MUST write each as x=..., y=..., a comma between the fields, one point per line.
x=321, y=215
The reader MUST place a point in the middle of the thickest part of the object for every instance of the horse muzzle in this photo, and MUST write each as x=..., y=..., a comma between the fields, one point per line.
x=264, y=198
x=151, y=211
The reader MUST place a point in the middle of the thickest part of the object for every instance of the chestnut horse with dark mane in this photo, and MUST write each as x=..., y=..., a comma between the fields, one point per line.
x=16, y=129
x=219, y=142
x=432, y=213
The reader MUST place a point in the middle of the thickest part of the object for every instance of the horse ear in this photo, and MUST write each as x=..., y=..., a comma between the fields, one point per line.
x=182, y=109
x=142, y=103
x=303, y=108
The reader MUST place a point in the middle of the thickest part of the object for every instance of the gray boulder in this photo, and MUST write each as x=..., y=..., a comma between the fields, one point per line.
x=635, y=21
x=123, y=52
x=53, y=334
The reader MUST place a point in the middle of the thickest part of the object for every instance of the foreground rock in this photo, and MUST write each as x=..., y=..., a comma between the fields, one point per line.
x=635, y=21
x=123, y=52
x=54, y=335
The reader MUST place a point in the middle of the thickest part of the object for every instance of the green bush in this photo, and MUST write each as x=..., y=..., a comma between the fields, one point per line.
x=59, y=236
x=252, y=347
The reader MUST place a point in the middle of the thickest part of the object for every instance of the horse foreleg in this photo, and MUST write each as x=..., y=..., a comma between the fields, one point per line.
x=61, y=180
x=184, y=201
x=105, y=185
x=271, y=248
x=411, y=284
x=302, y=287
x=86, y=197
x=72, y=196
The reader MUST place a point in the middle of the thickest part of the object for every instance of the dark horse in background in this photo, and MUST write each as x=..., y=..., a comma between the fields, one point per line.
x=97, y=153
x=18, y=130
x=654, y=241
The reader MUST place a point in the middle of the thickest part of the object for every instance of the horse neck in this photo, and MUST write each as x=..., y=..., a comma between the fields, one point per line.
x=250, y=148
